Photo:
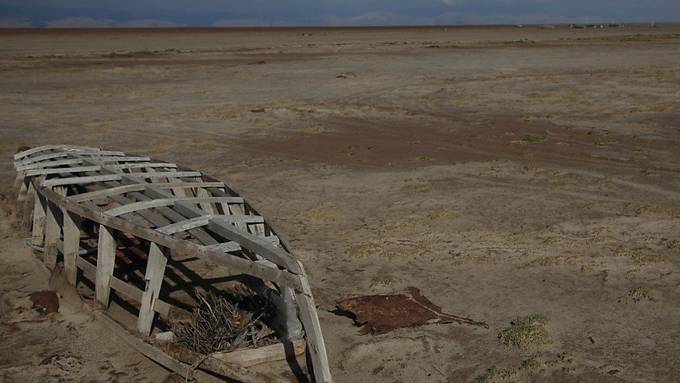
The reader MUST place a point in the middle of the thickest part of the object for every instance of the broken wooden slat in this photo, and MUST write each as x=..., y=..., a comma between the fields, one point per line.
x=155, y=269
x=106, y=260
x=80, y=180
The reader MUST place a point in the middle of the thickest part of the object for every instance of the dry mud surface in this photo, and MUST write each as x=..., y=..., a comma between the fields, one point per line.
x=504, y=172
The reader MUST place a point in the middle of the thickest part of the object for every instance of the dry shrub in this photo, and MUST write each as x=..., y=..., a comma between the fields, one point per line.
x=218, y=324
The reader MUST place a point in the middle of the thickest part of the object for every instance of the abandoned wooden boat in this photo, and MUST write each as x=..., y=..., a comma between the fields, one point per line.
x=142, y=237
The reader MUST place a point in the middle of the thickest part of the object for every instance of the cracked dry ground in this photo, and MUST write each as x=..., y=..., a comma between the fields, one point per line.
x=506, y=173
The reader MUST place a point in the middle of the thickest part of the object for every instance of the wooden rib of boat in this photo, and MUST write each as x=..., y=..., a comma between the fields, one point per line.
x=87, y=204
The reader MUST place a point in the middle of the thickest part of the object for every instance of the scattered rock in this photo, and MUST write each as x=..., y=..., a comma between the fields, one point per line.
x=65, y=362
x=346, y=75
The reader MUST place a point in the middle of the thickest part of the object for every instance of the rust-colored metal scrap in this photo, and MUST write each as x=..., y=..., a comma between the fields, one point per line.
x=378, y=314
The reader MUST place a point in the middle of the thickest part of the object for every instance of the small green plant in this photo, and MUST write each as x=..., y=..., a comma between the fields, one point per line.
x=383, y=278
x=526, y=332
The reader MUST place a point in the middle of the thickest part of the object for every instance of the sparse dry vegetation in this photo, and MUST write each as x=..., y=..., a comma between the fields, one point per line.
x=526, y=332
x=218, y=324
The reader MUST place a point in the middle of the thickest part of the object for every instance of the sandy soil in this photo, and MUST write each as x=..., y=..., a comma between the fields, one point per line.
x=505, y=172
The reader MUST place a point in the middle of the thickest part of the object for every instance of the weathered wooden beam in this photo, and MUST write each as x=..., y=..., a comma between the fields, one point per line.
x=112, y=191
x=106, y=260
x=155, y=269
x=52, y=234
x=153, y=203
x=205, y=206
x=44, y=157
x=203, y=220
x=39, y=217
x=80, y=180
x=71, y=246
x=187, y=185
x=185, y=225
x=255, y=243
x=142, y=165
x=163, y=309
x=225, y=247
x=119, y=159
x=315, y=343
x=167, y=174
x=173, y=216
x=177, y=246
x=35, y=150
x=75, y=169
x=254, y=356
x=50, y=164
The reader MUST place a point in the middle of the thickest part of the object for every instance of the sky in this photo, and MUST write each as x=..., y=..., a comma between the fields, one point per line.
x=206, y=13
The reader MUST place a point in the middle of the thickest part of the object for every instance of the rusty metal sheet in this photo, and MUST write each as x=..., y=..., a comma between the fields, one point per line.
x=378, y=314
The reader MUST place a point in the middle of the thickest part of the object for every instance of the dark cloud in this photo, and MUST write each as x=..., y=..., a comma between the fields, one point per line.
x=328, y=12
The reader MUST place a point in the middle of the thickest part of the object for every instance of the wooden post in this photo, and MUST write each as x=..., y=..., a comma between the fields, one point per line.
x=52, y=234
x=155, y=269
x=71, y=245
x=106, y=260
x=310, y=321
x=25, y=207
x=38, y=232
x=23, y=190
x=18, y=180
